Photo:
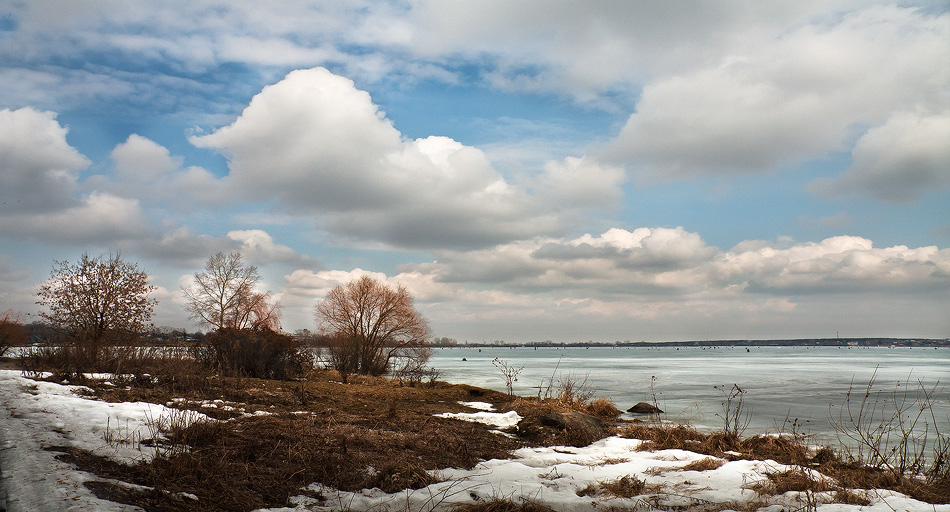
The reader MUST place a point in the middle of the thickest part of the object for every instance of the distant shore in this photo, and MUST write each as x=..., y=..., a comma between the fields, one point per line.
x=799, y=342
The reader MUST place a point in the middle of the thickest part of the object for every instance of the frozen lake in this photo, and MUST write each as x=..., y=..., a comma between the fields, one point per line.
x=807, y=383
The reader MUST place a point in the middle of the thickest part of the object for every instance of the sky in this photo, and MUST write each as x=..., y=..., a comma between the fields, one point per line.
x=529, y=171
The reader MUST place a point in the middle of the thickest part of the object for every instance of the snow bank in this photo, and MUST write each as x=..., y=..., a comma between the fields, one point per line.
x=555, y=475
x=36, y=418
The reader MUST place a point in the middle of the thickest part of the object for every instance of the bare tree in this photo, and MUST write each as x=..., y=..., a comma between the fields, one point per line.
x=370, y=323
x=12, y=332
x=223, y=296
x=97, y=301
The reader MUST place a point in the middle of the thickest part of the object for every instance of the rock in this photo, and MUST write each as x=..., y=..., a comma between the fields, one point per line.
x=578, y=423
x=564, y=428
x=645, y=408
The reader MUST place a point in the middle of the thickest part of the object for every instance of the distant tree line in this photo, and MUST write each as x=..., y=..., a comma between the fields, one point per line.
x=93, y=306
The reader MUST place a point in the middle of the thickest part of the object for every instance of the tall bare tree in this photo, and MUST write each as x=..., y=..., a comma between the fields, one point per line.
x=370, y=323
x=223, y=296
x=97, y=301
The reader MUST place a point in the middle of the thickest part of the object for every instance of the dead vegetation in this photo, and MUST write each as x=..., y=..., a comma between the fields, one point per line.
x=502, y=505
x=277, y=437
x=626, y=486
x=369, y=433
x=789, y=450
x=704, y=464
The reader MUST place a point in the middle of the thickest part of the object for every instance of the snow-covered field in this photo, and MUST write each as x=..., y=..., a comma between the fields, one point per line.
x=37, y=418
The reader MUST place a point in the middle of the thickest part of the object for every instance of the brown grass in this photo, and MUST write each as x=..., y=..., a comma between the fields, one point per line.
x=704, y=464
x=601, y=407
x=502, y=505
x=785, y=450
x=318, y=431
x=624, y=487
x=797, y=479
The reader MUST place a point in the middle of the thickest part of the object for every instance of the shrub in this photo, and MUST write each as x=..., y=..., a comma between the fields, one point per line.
x=260, y=353
x=602, y=408
x=11, y=332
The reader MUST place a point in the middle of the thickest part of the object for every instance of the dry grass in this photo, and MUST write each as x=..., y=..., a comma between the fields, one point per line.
x=369, y=433
x=797, y=479
x=502, y=505
x=602, y=408
x=625, y=487
x=374, y=433
x=786, y=450
x=704, y=464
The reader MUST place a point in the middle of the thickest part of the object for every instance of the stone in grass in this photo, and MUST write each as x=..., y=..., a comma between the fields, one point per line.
x=644, y=408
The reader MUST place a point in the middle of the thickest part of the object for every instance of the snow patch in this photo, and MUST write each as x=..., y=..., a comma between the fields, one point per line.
x=481, y=406
x=495, y=419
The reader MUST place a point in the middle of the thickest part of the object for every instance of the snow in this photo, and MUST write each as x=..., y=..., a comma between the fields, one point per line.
x=481, y=406
x=554, y=476
x=495, y=419
x=37, y=416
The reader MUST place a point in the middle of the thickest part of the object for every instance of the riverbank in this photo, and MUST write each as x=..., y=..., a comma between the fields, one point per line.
x=117, y=443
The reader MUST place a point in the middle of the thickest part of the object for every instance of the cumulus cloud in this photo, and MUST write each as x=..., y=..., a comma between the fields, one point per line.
x=98, y=218
x=39, y=194
x=141, y=159
x=38, y=168
x=318, y=144
x=621, y=265
x=624, y=284
x=589, y=50
x=259, y=247
x=897, y=162
x=147, y=172
x=841, y=264
x=793, y=97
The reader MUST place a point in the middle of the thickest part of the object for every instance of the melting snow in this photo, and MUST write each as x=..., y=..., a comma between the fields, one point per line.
x=495, y=419
x=36, y=417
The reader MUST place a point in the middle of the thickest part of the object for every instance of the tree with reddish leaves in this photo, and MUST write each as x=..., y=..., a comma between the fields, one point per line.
x=97, y=302
x=370, y=323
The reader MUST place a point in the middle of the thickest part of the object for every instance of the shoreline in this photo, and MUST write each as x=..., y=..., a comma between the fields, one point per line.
x=578, y=477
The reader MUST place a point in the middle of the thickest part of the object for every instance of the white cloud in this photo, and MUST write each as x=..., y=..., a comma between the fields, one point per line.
x=668, y=284
x=788, y=98
x=897, y=162
x=98, y=218
x=648, y=263
x=38, y=168
x=320, y=145
x=148, y=172
x=39, y=194
x=140, y=159
x=259, y=248
x=582, y=183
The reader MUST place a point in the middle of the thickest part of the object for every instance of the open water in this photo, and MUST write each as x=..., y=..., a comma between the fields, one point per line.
x=807, y=385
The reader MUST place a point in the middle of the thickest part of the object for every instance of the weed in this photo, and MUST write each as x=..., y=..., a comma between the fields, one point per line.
x=735, y=419
x=891, y=431
x=509, y=372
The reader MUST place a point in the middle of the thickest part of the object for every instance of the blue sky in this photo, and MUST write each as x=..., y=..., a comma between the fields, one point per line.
x=528, y=170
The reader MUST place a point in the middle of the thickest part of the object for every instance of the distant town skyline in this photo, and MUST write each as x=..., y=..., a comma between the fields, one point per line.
x=529, y=170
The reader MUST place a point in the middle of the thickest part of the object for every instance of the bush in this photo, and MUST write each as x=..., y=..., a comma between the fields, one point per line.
x=11, y=332
x=260, y=353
